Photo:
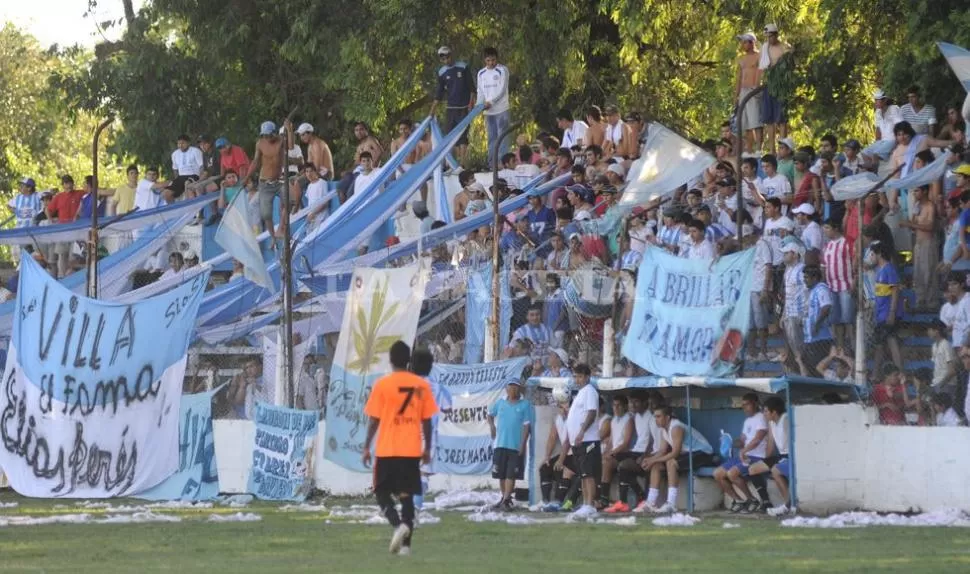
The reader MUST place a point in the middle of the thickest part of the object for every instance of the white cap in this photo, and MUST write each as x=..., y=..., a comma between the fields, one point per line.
x=748, y=37
x=267, y=128
x=771, y=28
x=805, y=208
x=444, y=51
x=304, y=128
x=786, y=224
x=477, y=186
x=879, y=94
x=617, y=169
x=787, y=142
x=793, y=247
x=563, y=357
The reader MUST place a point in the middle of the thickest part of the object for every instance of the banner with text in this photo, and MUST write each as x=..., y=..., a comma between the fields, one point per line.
x=198, y=474
x=282, y=453
x=91, y=389
x=383, y=306
x=462, y=439
x=690, y=316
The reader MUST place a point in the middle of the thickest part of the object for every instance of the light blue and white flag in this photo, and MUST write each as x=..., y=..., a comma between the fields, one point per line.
x=198, y=474
x=478, y=311
x=236, y=236
x=282, y=453
x=383, y=306
x=924, y=175
x=438, y=179
x=690, y=316
x=854, y=186
x=463, y=440
x=881, y=149
x=667, y=162
x=959, y=60
x=91, y=390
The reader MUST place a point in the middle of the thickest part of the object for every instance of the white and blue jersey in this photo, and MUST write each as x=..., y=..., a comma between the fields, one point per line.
x=540, y=335
x=716, y=232
x=670, y=236
x=629, y=260
x=818, y=298
x=25, y=207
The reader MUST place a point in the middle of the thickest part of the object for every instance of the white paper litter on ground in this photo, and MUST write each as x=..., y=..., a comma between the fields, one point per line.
x=181, y=505
x=9, y=504
x=353, y=513
x=730, y=525
x=625, y=521
x=678, y=519
x=304, y=507
x=137, y=518
x=371, y=521
x=951, y=517
x=475, y=498
x=237, y=517
x=426, y=518
x=38, y=520
x=237, y=500
x=516, y=519
x=92, y=504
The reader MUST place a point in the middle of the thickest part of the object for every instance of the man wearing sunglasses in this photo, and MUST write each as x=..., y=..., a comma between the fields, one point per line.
x=457, y=91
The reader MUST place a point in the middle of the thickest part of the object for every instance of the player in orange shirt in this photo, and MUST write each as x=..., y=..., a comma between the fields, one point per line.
x=400, y=405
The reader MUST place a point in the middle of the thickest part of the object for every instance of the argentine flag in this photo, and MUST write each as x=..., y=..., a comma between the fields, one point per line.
x=236, y=236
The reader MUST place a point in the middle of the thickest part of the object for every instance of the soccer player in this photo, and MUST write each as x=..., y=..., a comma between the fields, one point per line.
x=515, y=417
x=583, y=437
x=680, y=444
x=753, y=444
x=401, y=406
x=551, y=471
x=623, y=436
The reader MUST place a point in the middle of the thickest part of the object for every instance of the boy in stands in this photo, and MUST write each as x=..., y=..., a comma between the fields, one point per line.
x=401, y=405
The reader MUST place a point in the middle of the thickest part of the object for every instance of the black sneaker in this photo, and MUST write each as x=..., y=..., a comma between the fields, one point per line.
x=737, y=506
x=508, y=504
x=750, y=506
x=763, y=507
x=500, y=505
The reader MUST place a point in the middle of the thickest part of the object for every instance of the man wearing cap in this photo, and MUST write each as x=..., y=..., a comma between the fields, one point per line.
x=26, y=204
x=317, y=151
x=456, y=89
x=510, y=421
x=493, y=93
x=231, y=157
x=619, y=143
x=187, y=164
x=887, y=115
x=786, y=159
x=269, y=164
x=794, y=307
x=772, y=109
x=749, y=78
x=810, y=233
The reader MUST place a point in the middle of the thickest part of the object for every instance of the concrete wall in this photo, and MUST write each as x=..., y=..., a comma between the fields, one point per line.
x=844, y=462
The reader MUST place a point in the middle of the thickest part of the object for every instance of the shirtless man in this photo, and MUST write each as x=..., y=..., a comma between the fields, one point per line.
x=463, y=197
x=926, y=254
x=749, y=77
x=772, y=110
x=318, y=152
x=269, y=162
x=367, y=142
x=404, y=129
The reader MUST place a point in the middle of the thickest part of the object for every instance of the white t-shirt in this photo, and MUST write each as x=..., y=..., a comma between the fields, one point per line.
x=316, y=191
x=779, y=432
x=762, y=261
x=950, y=418
x=363, y=181
x=308, y=390
x=640, y=237
x=772, y=234
x=812, y=236
x=777, y=186
x=956, y=316
x=586, y=400
x=145, y=197
x=561, y=429
x=575, y=134
x=295, y=153
x=642, y=428
x=702, y=250
x=618, y=429
x=942, y=357
x=188, y=162
x=752, y=425
x=524, y=173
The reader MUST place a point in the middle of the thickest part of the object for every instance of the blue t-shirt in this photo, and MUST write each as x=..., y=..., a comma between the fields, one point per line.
x=510, y=418
x=541, y=223
x=965, y=225
x=818, y=298
x=886, y=279
x=553, y=312
x=84, y=212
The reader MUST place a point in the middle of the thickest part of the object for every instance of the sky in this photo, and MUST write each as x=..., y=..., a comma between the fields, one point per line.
x=62, y=21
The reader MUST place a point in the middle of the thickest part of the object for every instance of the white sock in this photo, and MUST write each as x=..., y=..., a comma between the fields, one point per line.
x=672, y=496
x=652, y=495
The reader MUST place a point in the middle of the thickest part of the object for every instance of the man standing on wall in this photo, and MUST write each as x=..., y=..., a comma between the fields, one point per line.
x=493, y=92
x=772, y=109
x=749, y=76
x=455, y=88
x=401, y=405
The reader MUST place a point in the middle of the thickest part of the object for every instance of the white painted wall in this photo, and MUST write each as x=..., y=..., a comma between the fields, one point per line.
x=844, y=462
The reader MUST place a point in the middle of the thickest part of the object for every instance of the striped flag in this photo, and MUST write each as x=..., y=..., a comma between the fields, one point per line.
x=438, y=179
x=236, y=236
x=959, y=60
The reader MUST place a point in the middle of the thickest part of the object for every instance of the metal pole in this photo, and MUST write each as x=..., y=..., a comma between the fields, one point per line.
x=740, y=116
x=287, y=274
x=92, y=258
x=690, y=460
x=792, y=483
x=496, y=235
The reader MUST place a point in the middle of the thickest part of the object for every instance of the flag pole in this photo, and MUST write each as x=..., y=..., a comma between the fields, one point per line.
x=496, y=235
x=287, y=271
x=92, y=258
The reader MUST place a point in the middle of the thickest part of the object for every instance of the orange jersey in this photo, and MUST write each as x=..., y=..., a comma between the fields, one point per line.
x=401, y=401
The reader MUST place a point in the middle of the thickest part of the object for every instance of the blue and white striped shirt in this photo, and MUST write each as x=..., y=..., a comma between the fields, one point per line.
x=630, y=258
x=25, y=207
x=670, y=236
x=716, y=232
x=540, y=335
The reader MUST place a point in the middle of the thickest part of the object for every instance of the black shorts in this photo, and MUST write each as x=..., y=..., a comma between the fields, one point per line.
x=589, y=459
x=178, y=184
x=884, y=331
x=774, y=459
x=397, y=475
x=453, y=117
x=700, y=459
x=816, y=351
x=507, y=464
x=628, y=455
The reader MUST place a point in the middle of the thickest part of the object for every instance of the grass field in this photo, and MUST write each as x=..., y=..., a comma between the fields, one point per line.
x=305, y=542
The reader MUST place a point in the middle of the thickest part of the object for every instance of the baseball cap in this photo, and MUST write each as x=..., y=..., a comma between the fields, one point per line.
x=205, y=138
x=793, y=246
x=617, y=169
x=748, y=37
x=222, y=142
x=786, y=224
x=963, y=170
x=611, y=109
x=267, y=128
x=771, y=28
x=477, y=186
x=561, y=354
x=304, y=128
x=802, y=157
x=28, y=182
x=788, y=143
x=513, y=381
x=444, y=51
x=805, y=208
x=879, y=94
x=46, y=194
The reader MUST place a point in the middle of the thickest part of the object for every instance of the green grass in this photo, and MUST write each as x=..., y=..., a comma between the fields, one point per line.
x=304, y=542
